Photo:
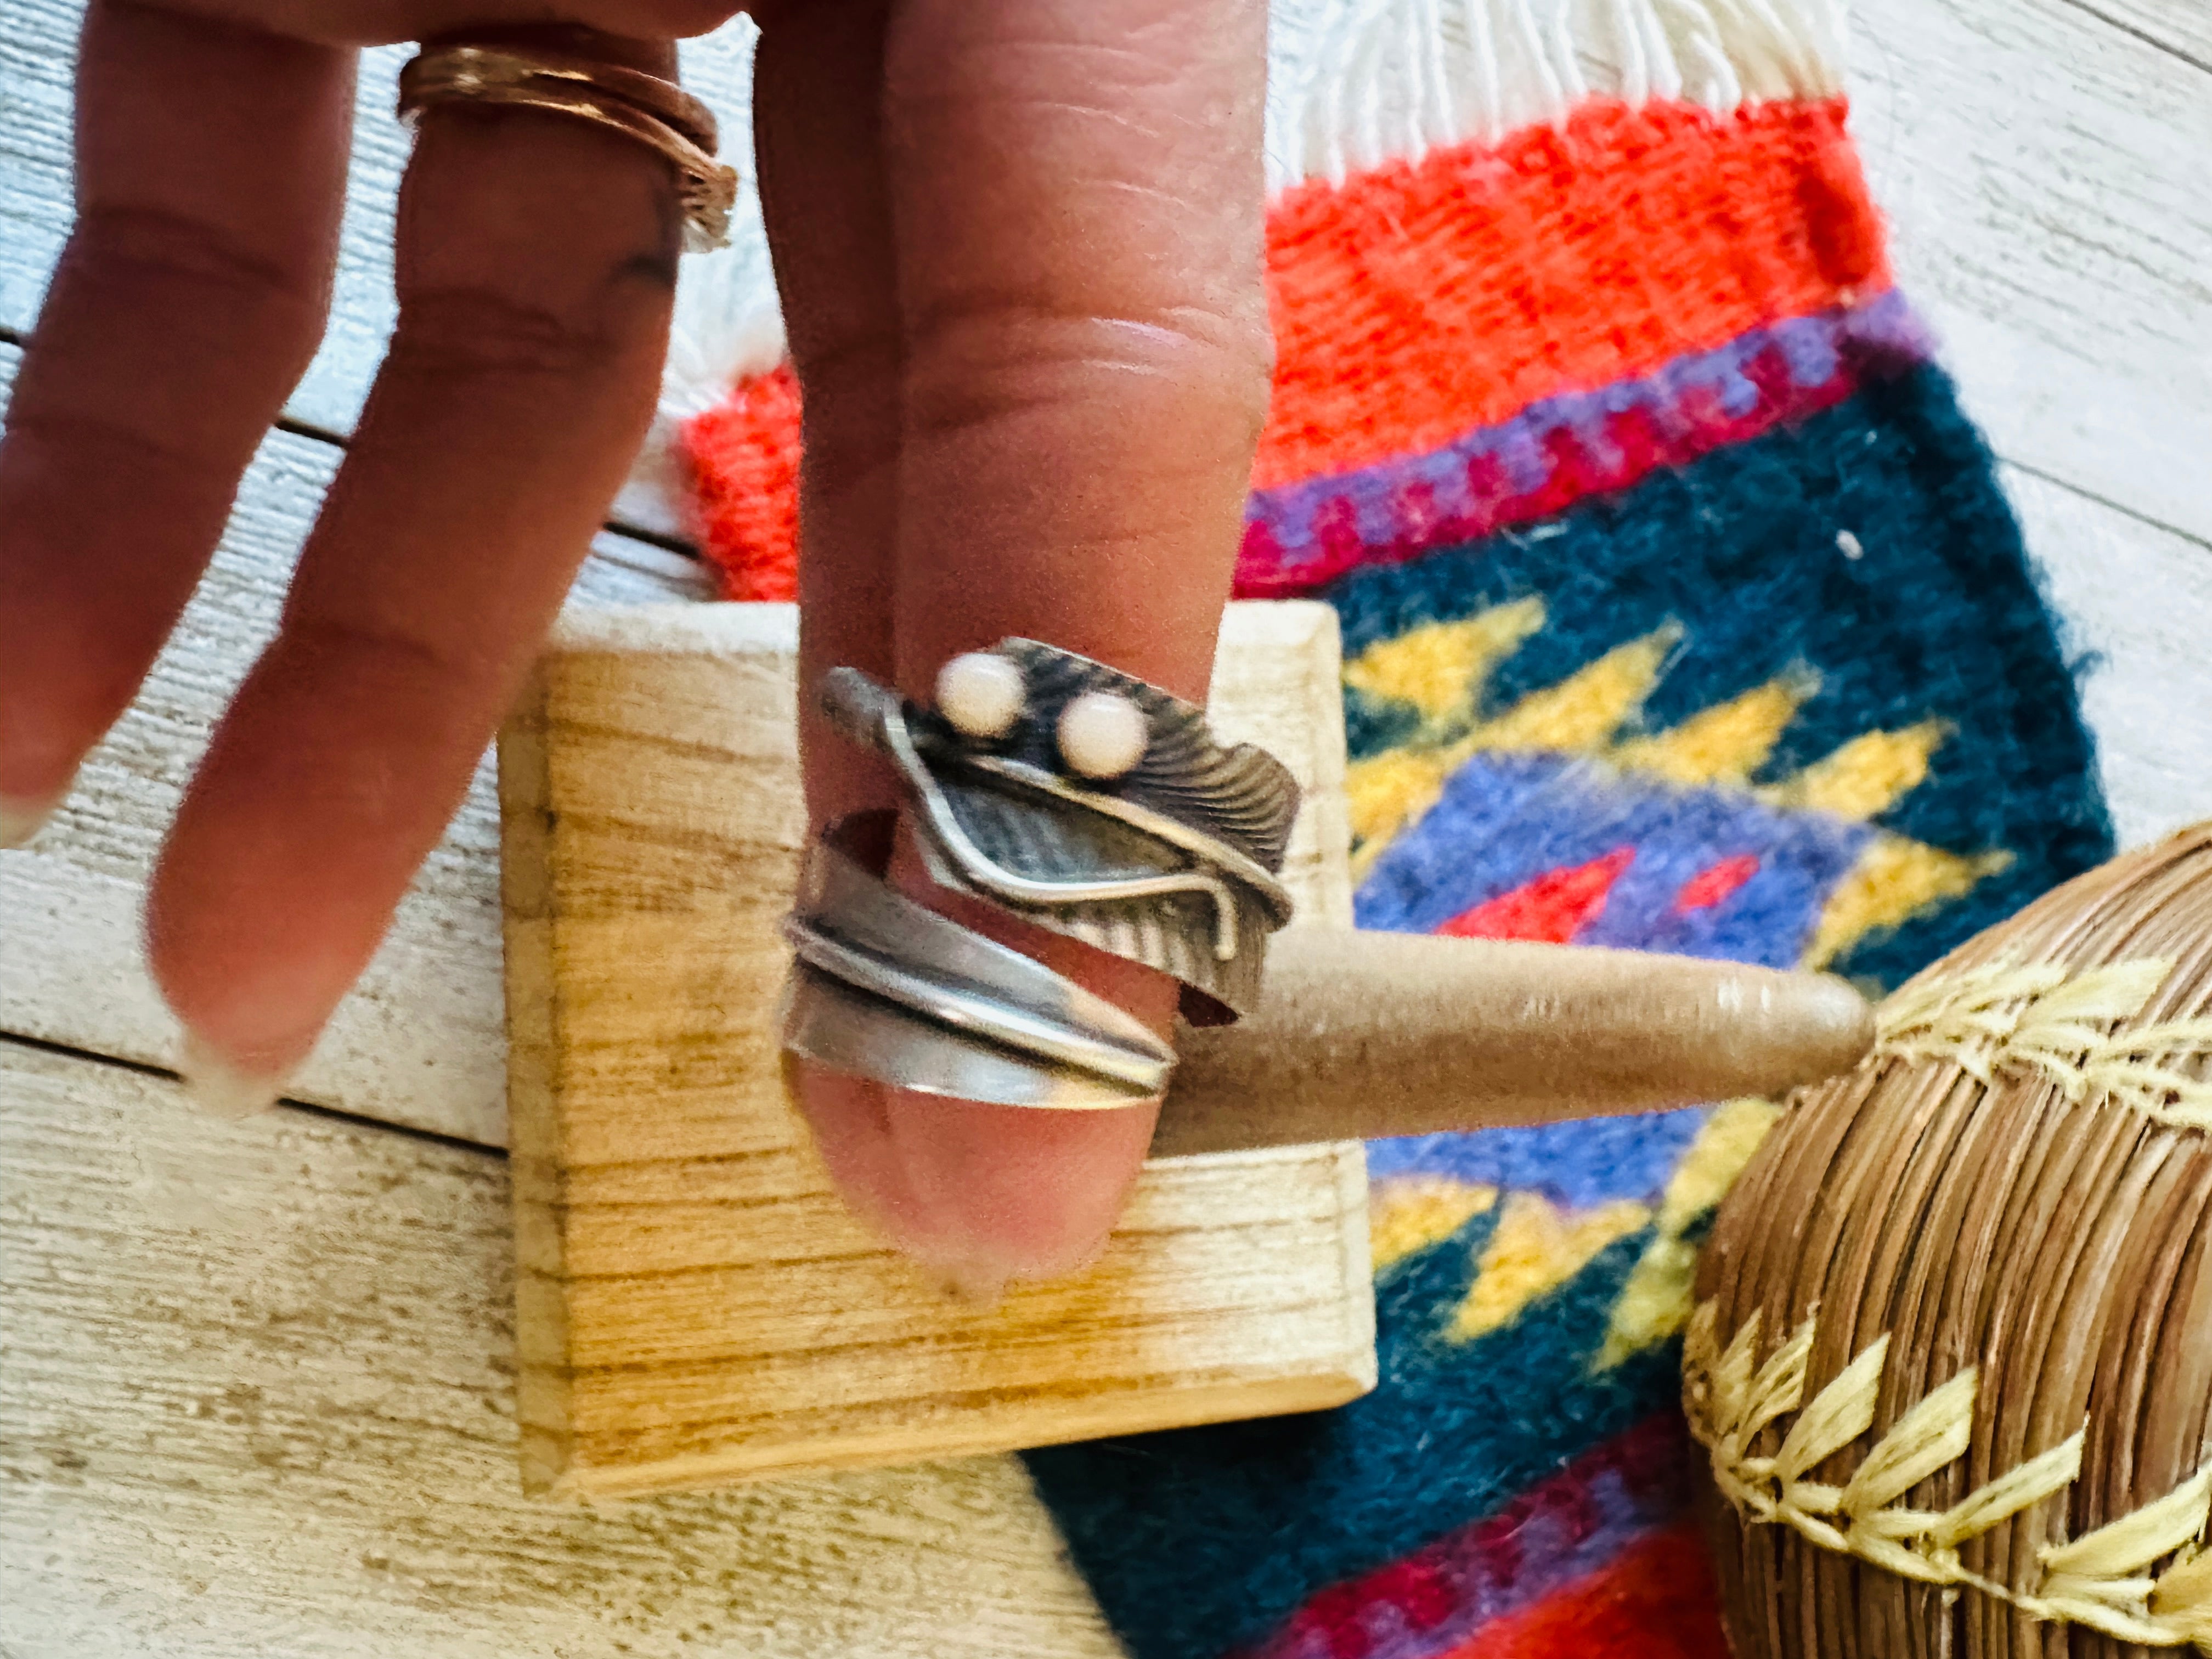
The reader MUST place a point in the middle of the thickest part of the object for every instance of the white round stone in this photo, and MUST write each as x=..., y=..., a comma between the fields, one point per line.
x=981, y=694
x=1103, y=734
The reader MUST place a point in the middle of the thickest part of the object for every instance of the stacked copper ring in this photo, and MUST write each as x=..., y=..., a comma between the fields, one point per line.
x=655, y=112
x=1079, y=799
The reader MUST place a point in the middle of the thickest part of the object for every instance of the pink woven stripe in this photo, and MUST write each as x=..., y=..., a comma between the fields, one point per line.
x=1299, y=537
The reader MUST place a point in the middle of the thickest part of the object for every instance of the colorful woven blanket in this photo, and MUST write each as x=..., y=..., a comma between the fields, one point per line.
x=1681, y=611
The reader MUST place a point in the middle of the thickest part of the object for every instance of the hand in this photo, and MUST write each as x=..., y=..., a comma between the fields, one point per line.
x=1018, y=246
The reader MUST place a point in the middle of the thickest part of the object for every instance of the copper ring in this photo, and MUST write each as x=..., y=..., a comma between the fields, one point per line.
x=656, y=113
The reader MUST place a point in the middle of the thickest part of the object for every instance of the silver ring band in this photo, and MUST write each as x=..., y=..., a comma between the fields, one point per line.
x=887, y=989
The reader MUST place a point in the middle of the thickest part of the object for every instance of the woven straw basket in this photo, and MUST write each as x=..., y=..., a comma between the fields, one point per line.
x=1951, y=1362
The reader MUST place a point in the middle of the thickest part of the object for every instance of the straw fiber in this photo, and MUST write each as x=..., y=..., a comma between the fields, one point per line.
x=1951, y=1367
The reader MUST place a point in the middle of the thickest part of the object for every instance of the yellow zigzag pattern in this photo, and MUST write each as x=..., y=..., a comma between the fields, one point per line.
x=1536, y=1247
x=1387, y=791
x=1405, y=1216
x=1656, y=1302
x=1441, y=671
x=1726, y=744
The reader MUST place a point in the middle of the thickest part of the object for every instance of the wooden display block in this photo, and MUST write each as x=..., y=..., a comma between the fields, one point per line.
x=694, y=1306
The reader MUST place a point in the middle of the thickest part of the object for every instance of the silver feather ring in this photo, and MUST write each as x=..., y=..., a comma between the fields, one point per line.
x=1171, y=860
x=1081, y=800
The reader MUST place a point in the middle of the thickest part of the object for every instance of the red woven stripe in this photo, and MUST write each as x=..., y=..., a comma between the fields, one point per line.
x=1653, y=1601
x=1551, y=909
x=1422, y=300
x=745, y=455
x=1418, y=302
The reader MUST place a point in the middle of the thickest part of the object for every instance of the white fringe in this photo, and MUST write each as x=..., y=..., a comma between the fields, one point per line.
x=1351, y=84
x=1356, y=84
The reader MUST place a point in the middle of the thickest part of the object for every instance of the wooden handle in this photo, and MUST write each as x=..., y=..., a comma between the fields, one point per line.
x=1366, y=1035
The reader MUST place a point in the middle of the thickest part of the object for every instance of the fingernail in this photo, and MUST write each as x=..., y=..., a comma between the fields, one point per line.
x=221, y=1087
x=976, y=1284
x=20, y=818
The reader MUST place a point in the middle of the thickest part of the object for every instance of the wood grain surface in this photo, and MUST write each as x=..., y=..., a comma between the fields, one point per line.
x=2043, y=160
x=258, y=1400
x=2043, y=172
x=419, y=1041
x=695, y=1305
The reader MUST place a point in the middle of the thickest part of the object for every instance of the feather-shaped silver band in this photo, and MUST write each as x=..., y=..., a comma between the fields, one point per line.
x=1173, y=863
x=887, y=989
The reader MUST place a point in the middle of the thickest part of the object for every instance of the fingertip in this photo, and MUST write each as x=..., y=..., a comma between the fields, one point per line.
x=980, y=1195
x=1034, y=1191
x=22, y=818
x=853, y=1136
x=222, y=1087
x=239, y=948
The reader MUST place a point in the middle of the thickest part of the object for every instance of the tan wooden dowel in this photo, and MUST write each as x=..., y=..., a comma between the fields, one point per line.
x=1363, y=1035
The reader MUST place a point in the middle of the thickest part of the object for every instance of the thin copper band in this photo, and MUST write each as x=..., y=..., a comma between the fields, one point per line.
x=657, y=113
x=466, y=71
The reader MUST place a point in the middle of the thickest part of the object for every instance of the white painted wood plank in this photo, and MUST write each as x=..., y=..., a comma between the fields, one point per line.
x=2138, y=598
x=258, y=1399
x=2182, y=26
x=2043, y=167
x=37, y=52
x=2044, y=173
x=38, y=57
x=419, y=1041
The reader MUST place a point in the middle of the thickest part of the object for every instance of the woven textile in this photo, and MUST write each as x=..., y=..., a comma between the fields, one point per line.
x=1681, y=611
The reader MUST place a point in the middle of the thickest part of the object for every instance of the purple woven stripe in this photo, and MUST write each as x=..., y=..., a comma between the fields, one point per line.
x=1685, y=407
x=1582, y=1162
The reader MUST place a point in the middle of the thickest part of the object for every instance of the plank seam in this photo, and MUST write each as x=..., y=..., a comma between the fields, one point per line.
x=2136, y=31
x=2106, y=503
x=163, y=1074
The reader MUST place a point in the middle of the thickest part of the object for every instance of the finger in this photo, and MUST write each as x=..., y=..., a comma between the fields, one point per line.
x=981, y=1192
x=817, y=99
x=1077, y=195
x=381, y=23
x=535, y=262
x=211, y=171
